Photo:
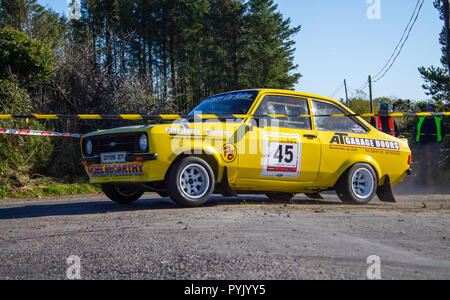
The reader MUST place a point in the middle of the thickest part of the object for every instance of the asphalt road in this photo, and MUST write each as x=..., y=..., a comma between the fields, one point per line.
x=239, y=238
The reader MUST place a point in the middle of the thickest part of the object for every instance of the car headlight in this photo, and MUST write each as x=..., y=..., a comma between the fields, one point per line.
x=88, y=147
x=143, y=142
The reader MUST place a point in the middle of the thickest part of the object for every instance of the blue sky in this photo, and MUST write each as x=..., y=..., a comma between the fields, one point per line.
x=338, y=41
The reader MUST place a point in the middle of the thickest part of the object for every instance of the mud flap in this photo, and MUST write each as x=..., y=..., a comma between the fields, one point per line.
x=315, y=196
x=384, y=192
x=224, y=187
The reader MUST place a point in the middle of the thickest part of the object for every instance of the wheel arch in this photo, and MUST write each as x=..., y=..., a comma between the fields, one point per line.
x=211, y=159
x=360, y=159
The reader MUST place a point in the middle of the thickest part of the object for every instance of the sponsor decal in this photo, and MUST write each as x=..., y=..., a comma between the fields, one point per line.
x=229, y=153
x=117, y=170
x=282, y=155
x=189, y=131
x=217, y=132
x=343, y=139
x=174, y=130
x=357, y=129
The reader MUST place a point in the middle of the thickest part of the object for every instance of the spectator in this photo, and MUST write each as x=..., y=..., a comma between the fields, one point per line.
x=383, y=122
x=429, y=134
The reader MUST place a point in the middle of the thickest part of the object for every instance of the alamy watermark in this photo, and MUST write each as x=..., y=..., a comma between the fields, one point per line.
x=374, y=270
x=374, y=9
x=73, y=272
x=74, y=9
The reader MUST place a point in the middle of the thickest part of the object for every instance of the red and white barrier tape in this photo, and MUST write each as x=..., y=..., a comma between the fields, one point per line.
x=39, y=133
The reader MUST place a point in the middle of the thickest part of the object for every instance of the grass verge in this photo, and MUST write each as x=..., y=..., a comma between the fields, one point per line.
x=47, y=187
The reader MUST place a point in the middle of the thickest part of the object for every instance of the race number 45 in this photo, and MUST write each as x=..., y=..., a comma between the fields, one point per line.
x=282, y=153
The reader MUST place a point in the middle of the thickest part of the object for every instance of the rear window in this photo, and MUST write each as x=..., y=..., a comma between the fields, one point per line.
x=337, y=124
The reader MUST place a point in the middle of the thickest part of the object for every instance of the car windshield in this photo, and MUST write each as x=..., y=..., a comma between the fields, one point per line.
x=224, y=104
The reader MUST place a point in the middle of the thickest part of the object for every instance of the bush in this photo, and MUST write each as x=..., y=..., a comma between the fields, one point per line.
x=20, y=155
x=28, y=60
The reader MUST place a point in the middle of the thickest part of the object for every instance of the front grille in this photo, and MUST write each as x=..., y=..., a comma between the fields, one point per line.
x=118, y=142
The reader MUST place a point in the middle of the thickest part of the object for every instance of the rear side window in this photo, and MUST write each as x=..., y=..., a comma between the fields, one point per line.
x=285, y=105
x=338, y=124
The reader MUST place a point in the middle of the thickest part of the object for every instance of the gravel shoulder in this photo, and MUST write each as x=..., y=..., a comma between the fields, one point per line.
x=238, y=238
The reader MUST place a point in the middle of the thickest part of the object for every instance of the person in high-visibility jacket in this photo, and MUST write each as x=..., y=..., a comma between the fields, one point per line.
x=385, y=123
x=429, y=133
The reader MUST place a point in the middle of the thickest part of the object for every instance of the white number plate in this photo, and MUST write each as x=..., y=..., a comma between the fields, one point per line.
x=113, y=157
x=282, y=155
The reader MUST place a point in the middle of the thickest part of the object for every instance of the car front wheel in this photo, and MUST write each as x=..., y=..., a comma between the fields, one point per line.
x=190, y=182
x=121, y=194
x=357, y=185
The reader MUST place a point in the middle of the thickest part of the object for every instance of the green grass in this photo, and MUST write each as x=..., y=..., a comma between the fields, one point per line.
x=47, y=187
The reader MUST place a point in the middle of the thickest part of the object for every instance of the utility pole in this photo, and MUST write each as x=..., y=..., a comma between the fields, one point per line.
x=370, y=94
x=346, y=93
x=447, y=29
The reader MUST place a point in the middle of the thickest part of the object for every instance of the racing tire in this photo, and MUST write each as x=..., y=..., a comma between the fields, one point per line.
x=358, y=185
x=190, y=182
x=121, y=195
x=280, y=196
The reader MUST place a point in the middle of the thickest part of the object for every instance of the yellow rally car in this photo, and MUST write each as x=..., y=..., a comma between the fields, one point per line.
x=263, y=141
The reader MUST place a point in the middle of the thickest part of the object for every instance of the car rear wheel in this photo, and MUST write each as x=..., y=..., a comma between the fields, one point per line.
x=190, y=182
x=280, y=196
x=357, y=185
x=121, y=194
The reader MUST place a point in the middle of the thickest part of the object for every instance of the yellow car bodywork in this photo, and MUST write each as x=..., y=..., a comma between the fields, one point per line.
x=322, y=156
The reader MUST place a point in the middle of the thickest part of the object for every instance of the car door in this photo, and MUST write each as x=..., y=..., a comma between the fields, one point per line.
x=279, y=149
x=333, y=130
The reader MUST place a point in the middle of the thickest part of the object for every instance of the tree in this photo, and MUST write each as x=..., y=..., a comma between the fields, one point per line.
x=270, y=47
x=35, y=20
x=437, y=81
x=189, y=49
x=27, y=60
x=14, y=13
